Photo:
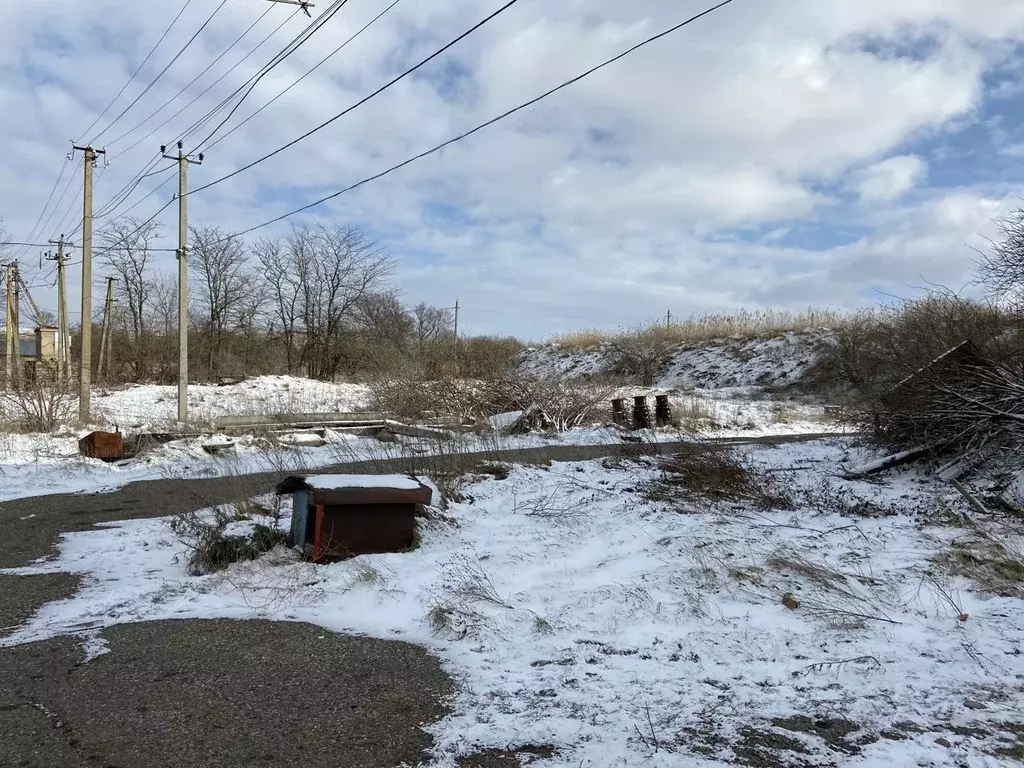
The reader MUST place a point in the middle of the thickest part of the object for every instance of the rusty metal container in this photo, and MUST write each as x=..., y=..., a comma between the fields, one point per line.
x=662, y=410
x=641, y=413
x=108, y=446
x=619, y=411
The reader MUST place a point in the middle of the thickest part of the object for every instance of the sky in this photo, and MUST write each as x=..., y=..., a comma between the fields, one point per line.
x=783, y=154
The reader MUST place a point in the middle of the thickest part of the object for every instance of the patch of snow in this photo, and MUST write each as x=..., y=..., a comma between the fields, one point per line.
x=574, y=611
x=504, y=420
x=333, y=482
x=139, y=406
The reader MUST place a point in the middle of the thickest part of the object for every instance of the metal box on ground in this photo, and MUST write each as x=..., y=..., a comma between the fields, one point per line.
x=108, y=446
x=340, y=516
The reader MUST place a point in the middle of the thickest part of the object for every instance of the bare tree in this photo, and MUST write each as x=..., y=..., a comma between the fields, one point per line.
x=1001, y=267
x=338, y=266
x=382, y=334
x=283, y=286
x=163, y=320
x=225, y=287
x=125, y=248
x=431, y=324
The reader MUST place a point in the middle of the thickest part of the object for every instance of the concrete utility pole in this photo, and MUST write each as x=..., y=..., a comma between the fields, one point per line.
x=668, y=319
x=183, y=163
x=15, y=310
x=103, y=368
x=63, y=326
x=10, y=332
x=85, y=378
x=456, y=334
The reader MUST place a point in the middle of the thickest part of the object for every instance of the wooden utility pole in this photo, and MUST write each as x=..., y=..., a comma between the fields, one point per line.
x=63, y=326
x=85, y=367
x=183, y=163
x=103, y=368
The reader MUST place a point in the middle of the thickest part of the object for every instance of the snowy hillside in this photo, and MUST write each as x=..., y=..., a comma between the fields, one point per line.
x=777, y=361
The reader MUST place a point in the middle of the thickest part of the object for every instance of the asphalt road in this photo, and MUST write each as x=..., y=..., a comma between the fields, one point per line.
x=193, y=694
x=227, y=693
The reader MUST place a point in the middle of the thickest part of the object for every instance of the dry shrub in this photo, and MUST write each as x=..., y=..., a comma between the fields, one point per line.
x=563, y=404
x=839, y=600
x=876, y=350
x=941, y=370
x=698, y=328
x=993, y=564
x=713, y=473
x=465, y=587
x=412, y=398
x=38, y=406
x=641, y=354
x=211, y=549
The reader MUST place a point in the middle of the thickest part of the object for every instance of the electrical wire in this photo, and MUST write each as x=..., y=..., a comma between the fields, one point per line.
x=152, y=192
x=33, y=231
x=207, y=69
x=162, y=72
x=212, y=85
x=308, y=72
x=362, y=101
x=63, y=194
x=291, y=48
x=109, y=208
x=490, y=122
x=152, y=163
x=135, y=74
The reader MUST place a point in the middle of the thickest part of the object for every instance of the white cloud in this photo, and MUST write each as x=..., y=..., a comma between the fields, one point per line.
x=891, y=178
x=645, y=185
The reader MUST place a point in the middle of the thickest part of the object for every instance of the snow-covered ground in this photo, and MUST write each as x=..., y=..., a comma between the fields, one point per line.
x=575, y=611
x=148, y=405
x=41, y=464
x=735, y=362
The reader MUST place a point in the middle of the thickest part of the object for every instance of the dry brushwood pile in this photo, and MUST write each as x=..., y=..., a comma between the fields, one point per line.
x=963, y=401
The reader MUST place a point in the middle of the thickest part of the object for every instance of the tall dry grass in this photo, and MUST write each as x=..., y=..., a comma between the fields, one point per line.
x=743, y=323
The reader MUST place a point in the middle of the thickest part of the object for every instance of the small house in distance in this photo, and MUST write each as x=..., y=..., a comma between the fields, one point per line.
x=340, y=516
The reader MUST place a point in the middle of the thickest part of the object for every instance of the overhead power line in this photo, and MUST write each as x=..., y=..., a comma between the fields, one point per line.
x=135, y=74
x=291, y=48
x=490, y=122
x=362, y=101
x=308, y=72
x=109, y=208
x=205, y=70
x=156, y=157
x=162, y=72
x=33, y=231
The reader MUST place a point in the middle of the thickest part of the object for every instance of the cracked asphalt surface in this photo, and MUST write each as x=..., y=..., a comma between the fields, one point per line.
x=201, y=692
